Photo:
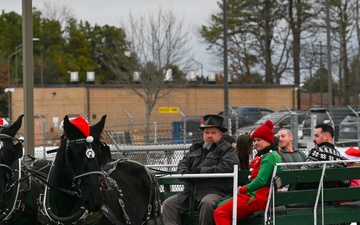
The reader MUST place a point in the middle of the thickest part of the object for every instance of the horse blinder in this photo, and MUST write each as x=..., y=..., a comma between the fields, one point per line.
x=18, y=150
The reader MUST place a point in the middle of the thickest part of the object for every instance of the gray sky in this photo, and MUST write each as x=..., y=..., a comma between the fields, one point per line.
x=114, y=12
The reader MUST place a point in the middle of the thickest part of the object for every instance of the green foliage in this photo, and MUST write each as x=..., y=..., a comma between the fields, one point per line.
x=179, y=76
x=319, y=83
x=78, y=46
x=10, y=32
x=110, y=52
x=249, y=36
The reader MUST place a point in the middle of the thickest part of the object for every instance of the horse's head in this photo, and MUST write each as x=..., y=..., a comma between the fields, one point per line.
x=79, y=158
x=10, y=152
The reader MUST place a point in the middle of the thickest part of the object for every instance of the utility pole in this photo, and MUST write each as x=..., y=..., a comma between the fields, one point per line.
x=226, y=83
x=328, y=45
x=27, y=32
x=321, y=73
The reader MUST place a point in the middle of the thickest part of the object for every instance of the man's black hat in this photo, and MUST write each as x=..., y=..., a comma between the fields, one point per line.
x=212, y=121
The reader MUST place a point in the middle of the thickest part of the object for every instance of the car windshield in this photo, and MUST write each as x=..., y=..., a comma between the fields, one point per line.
x=274, y=117
x=321, y=117
x=350, y=119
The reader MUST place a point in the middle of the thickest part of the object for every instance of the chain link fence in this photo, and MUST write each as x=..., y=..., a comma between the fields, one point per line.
x=164, y=144
x=161, y=159
x=155, y=145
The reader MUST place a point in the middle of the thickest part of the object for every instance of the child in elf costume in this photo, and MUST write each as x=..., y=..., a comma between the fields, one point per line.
x=253, y=196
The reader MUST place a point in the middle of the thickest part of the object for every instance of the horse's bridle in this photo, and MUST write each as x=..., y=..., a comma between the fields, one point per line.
x=82, y=214
x=90, y=154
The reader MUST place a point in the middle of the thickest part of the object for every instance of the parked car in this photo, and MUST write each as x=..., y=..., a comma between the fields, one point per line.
x=280, y=119
x=332, y=116
x=245, y=115
x=348, y=130
x=322, y=116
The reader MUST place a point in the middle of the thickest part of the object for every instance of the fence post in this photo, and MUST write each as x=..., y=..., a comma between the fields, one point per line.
x=294, y=127
x=155, y=132
x=44, y=135
x=313, y=124
x=184, y=121
x=131, y=126
x=236, y=120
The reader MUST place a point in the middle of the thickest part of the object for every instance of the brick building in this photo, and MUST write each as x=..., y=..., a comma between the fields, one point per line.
x=121, y=104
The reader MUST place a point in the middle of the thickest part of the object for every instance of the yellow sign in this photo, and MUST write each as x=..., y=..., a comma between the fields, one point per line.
x=168, y=110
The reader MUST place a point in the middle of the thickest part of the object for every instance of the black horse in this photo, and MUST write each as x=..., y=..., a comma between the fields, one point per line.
x=18, y=194
x=86, y=186
x=132, y=193
x=72, y=194
x=130, y=190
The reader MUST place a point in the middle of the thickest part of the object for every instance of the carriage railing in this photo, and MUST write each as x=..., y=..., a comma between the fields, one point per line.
x=147, y=155
x=234, y=175
x=163, y=168
x=320, y=192
x=151, y=154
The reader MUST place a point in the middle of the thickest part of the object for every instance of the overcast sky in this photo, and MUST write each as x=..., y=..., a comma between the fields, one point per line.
x=114, y=12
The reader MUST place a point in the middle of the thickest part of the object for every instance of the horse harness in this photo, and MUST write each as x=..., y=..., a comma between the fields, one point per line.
x=17, y=189
x=82, y=216
x=109, y=183
x=15, y=204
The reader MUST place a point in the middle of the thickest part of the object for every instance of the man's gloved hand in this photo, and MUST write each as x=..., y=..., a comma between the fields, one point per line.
x=195, y=170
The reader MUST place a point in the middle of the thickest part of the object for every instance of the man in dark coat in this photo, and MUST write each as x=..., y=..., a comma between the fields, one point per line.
x=212, y=155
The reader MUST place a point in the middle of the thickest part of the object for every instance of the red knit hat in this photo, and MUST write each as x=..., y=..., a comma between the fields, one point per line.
x=265, y=132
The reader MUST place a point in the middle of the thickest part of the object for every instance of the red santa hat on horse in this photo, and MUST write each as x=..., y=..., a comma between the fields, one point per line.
x=82, y=124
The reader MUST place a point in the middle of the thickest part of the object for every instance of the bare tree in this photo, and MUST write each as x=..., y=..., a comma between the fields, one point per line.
x=344, y=12
x=357, y=59
x=158, y=46
x=254, y=47
x=299, y=16
x=55, y=12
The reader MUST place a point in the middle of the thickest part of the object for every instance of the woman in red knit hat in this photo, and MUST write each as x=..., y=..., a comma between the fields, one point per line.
x=253, y=196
